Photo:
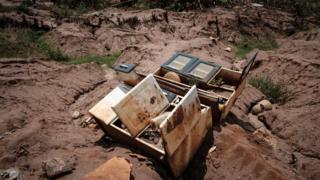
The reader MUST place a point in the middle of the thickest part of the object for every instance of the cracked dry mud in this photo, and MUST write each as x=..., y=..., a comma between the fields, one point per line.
x=39, y=96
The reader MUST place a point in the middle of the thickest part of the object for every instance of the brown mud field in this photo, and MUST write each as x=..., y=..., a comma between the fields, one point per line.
x=39, y=96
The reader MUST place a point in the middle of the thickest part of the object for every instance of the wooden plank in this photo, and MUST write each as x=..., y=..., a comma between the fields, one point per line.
x=142, y=103
x=180, y=121
x=191, y=143
x=102, y=110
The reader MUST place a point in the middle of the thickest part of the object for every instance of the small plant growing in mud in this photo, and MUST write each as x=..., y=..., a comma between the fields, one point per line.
x=217, y=82
x=277, y=92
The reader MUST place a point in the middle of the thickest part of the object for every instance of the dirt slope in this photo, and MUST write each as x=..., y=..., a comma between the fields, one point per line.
x=38, y=97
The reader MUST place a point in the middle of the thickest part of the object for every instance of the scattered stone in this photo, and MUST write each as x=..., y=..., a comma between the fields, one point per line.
x=254, y=121
x=58, y=166
x=213, y=148
x=266, y=105
x=256, y=109
x=228, y=49
x=115, y=168
x=76, y=115
x=10, y=174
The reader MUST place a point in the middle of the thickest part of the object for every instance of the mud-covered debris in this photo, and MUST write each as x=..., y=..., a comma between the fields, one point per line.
x=10, y=174
x=58, y=166
x=115, y=168
x=75, y=114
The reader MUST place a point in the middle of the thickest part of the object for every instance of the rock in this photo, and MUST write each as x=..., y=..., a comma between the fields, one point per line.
x=228, y=49
x=115, y=168
x=254, y=121
x=256, y=109
x=172, y=76
x=265, y=104
x=264, y=137
x=76, y=115
x=11, y=174
x=213, y=148
x=58, y=166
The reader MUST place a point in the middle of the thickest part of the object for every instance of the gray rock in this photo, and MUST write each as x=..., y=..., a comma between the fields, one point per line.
x=256, y=109
x=76, y=115
x=58, y=166
x=266, y=105
x=10, y=174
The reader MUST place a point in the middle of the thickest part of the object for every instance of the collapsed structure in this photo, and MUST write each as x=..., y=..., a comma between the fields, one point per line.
x=167, y=114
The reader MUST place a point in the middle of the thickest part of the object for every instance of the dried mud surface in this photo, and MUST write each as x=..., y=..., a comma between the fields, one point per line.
x=38, y=97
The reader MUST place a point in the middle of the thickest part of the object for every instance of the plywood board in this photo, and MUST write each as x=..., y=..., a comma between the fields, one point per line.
x=102, y=110
x=142, y=103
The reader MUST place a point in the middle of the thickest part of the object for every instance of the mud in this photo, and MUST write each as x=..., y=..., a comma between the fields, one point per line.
x=38, y=96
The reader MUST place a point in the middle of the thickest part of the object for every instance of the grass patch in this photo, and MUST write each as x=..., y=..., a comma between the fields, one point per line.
x=275, y=91
x=108, y=59
x=28, y=43
x=23, y=7
x=245, y=46
x=18, y=43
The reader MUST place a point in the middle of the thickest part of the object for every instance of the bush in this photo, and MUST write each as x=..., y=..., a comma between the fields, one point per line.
x=276, y=92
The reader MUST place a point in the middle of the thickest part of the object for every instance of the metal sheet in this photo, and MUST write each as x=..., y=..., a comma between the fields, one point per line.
x=142, y=103
x=102, y=110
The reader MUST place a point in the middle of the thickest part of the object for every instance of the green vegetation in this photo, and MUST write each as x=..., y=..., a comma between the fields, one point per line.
x=276, y=92
x=246, y=46
x=217, y=82
x=107, y=59
x=23, y=7
x=26, y=43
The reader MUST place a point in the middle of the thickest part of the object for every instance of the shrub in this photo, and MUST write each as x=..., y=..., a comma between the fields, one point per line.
x=276, y=92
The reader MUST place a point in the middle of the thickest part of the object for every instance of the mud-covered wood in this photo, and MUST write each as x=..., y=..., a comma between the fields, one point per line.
x=142, y=103
x=179, y=122
x=102, y=110
x=184, y=130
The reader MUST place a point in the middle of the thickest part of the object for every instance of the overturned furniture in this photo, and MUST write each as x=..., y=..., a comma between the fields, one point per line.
x=169, y=116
